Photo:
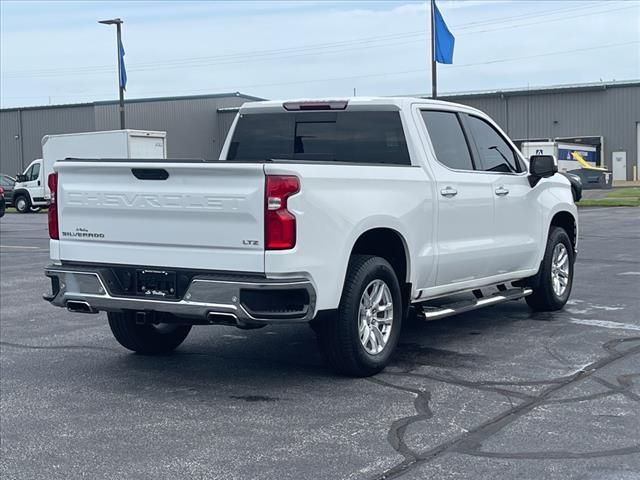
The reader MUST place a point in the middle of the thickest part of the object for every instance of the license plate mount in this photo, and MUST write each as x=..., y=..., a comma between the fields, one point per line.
x=156, y=283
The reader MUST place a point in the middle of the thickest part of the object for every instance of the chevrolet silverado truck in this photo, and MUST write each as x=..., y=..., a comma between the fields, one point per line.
x=348, y=215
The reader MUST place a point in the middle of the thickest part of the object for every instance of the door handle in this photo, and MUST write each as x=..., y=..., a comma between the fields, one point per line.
x=501, y=191
x=38, y=182
x=448, y=192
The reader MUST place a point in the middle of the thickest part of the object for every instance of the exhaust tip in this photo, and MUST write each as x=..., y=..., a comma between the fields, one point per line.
x=79, y=306
x=219, y=318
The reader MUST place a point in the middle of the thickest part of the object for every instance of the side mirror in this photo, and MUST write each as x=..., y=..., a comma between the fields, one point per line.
x=21, y=178
x=541, y=166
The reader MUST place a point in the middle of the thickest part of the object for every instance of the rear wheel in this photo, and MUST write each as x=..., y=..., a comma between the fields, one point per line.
x=552, y=285
x=148, y=339
x=361, y=337
x=22, y=204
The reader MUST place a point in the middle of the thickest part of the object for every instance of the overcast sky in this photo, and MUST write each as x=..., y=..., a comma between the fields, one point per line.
x=56, y=52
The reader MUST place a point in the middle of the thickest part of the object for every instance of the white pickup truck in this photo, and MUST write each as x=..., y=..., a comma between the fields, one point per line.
x=345, y=214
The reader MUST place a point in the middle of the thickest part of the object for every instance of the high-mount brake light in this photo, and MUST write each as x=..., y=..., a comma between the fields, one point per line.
x=279, y=223
x=52, y=213
x=316, y=105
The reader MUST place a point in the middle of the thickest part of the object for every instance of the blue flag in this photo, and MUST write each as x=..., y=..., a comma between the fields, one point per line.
x=444, y=39
x=123, y=71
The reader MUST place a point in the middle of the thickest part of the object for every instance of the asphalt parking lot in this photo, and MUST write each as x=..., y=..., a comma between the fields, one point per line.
x=500, y=393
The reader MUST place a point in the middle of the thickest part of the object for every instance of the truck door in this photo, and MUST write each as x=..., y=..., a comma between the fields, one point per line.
x=518, y=219
x=34, y=182
x=464, y=229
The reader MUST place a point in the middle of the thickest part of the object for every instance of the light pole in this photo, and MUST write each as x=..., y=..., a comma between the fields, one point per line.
x=117, y=22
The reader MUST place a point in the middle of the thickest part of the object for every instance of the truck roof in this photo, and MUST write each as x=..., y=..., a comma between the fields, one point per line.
x=362, y=102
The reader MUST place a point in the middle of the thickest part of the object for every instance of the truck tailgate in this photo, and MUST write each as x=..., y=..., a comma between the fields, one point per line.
x=201, y=216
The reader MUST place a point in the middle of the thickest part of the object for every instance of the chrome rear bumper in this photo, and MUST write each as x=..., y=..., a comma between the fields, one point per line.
x=209, y=298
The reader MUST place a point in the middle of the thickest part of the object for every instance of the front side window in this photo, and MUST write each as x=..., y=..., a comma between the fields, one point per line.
x=448, y=139
x=34, y=172
x=353, y=137
x=495, y=153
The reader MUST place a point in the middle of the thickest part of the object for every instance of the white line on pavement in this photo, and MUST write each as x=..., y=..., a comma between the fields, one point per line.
x=605, y=324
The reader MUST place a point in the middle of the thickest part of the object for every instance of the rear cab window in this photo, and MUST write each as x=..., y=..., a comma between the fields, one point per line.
x=372, y=137
x=448, y=139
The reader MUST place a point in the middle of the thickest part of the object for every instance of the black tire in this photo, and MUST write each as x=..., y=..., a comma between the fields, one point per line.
x=338, y=335
x=22, y=204
x=147, y=339
x=544, y=298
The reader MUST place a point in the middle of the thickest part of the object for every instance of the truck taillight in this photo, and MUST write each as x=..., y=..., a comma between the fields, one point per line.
x=53, y=207
x=279, y=223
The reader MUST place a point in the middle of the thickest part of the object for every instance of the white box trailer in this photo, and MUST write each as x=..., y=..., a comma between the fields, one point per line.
x=32, y=191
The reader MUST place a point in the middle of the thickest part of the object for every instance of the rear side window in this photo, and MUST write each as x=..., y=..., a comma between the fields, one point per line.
x=448, y=140
x=495, y=153
x=354, y=137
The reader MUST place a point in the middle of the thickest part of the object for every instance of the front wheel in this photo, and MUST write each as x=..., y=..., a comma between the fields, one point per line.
x=147, y=339
x=22, y=204
x=361, y=337
x=552, y=285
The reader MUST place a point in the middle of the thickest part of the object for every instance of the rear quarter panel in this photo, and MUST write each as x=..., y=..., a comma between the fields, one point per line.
x=338, y=203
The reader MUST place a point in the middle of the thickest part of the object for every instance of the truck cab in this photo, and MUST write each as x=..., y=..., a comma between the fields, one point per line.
x=29, y=192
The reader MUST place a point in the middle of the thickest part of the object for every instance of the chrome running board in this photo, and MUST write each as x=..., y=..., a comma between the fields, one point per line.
x=435, y=312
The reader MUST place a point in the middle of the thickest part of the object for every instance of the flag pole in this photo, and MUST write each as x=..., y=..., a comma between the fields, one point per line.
x=434, y=73
x=118, y=22
x=121, y=89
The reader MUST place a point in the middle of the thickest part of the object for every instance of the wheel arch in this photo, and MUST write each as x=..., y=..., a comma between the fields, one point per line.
x=569, y=223
x=21, y=192
x=391, y=245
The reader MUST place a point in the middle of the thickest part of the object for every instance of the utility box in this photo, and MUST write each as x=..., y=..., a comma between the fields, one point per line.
x=105, y=144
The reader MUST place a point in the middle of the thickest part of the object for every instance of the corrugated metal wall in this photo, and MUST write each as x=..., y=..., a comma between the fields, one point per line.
x=38, y=123
x=192, y=125
x=609, y=112
x=10, y=147
x=21, y=132
x=195, y=129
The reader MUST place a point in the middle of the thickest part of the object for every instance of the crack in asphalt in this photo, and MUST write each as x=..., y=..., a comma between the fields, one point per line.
x=470, y=443
x=398, y=428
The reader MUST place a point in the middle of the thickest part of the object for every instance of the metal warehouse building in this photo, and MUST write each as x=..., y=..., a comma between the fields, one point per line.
x=196, y=126
x=606, y=115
